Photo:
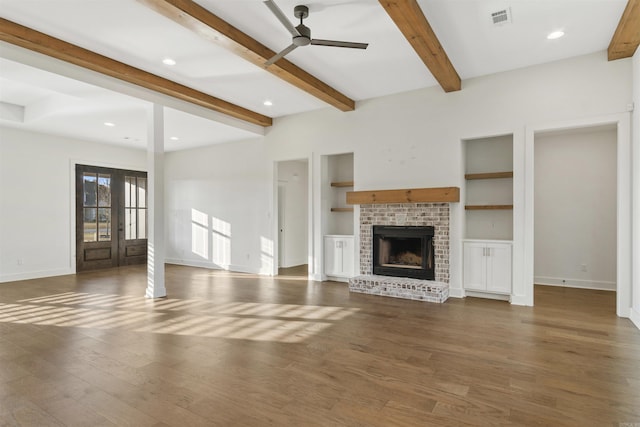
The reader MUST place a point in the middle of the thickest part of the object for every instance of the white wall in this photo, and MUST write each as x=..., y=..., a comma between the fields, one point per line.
x=414, y=139
x=219, y=207
x=293, y=175
x=635, y=125
x=407, y=140
x=37, y=217
x=575, y=208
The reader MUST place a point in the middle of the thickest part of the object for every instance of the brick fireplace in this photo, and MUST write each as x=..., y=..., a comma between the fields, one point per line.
x=407, y=214
x=405, y=208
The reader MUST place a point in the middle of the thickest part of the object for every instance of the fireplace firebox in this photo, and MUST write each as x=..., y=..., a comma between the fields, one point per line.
x=403, y=251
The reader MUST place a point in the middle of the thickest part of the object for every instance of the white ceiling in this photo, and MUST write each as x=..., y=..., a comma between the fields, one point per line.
x=129, y=32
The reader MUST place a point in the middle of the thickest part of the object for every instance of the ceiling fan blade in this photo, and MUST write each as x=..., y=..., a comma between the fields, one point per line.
x=281, y=17
x=282, y=53
x=335, y=43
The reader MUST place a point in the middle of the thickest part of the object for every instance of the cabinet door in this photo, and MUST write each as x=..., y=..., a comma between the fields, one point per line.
x=348, y=257
x=475, y=266
x=339, y=256
x=499, y=268
x=332, y=257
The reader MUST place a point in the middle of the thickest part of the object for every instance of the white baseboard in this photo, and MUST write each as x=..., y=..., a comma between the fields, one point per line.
x=338, y=279
x=634, y=315
x=211, y=266
x=575, y=283
x=294, y=263
x=488, y=295
x=521, y=300
x=456, y=292
x=35, y=275
x=192, y=263
x=248, y=270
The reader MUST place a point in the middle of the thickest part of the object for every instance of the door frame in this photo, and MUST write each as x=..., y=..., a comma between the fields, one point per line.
x=72, y=197
x=311, y=256
x=123, y=251
x=113, y=243
x=281, y=239
x=623, y=205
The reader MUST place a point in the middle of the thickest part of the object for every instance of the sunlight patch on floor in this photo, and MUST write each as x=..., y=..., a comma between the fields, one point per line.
x=288, y=323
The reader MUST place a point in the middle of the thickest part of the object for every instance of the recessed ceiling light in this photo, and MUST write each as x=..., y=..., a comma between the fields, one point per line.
x=174, y=138
x=555, y=35
x=169, y=61
x=268, y=103
x=109, y=124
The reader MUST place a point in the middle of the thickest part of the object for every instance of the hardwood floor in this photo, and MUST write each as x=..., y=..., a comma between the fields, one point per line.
x=298, y=270
x=228, y=349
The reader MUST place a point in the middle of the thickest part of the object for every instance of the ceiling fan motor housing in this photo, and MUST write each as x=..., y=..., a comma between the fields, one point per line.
x=301, y=12
x=305, y=35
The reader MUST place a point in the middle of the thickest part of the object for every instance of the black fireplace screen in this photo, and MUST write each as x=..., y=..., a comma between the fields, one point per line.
x=403, y=251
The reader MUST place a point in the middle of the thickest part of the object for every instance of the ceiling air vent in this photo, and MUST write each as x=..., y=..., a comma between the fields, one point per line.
x=501, y=17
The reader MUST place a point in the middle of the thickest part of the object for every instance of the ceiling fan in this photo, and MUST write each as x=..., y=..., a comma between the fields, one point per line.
x=302, y=34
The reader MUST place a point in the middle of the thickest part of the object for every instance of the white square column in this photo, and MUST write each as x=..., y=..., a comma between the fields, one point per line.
x=155, y=178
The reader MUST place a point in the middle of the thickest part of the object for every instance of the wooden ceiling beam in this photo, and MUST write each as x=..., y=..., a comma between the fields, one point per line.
x=627, y=36
x=411, y=21
x=196, y=18
x=36, y=41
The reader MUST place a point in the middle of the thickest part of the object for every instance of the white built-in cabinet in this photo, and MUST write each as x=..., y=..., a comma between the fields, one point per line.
x=487, y=248
x=339, y=254
x=338, y=228
x=487, y=266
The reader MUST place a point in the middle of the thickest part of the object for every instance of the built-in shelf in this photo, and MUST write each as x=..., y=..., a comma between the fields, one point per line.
x=342, y=184
x=489, y=175
x=488, y=207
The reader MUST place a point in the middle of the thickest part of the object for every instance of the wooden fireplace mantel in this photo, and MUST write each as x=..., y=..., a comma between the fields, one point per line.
x=408, y=195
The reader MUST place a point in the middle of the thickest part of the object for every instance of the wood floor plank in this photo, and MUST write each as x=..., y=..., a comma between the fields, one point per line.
x=232, y=349
x=53, y=400
x=20, y=411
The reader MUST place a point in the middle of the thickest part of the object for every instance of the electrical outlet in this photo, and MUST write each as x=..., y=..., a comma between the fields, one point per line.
x=20, y=261
x=583, y=267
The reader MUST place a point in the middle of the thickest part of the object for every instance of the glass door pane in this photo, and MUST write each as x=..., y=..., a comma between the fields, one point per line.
x=104, y=224
x=90, y=226
x=104, y=190
x=135, y=190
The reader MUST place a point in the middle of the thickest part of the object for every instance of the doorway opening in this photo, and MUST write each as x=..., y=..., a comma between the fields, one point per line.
x=111, y=217
x=575, y=211
x=293, y=217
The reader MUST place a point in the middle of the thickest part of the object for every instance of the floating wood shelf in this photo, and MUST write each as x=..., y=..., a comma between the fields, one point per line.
x=413, y=195
x=342, y=184
x=487, y=207
x=341, y=209
x=489, y=175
